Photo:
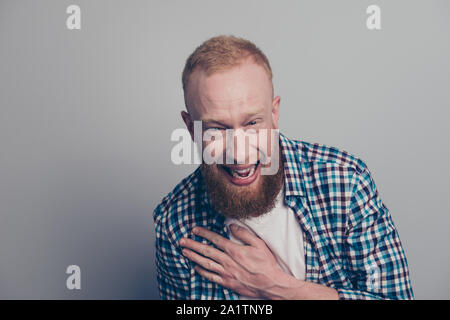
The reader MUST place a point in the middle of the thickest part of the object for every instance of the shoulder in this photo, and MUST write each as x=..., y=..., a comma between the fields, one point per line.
x=322, y=157
x=325, y=171
x=179, y=209
x=330, y=179
x=316, y=154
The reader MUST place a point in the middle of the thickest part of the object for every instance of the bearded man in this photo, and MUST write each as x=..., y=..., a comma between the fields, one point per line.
x=314, y=228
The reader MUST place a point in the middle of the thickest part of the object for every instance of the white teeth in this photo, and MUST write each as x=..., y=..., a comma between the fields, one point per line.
x=248, y=172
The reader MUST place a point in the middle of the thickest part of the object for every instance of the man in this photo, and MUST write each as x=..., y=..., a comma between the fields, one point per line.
x=315, y=228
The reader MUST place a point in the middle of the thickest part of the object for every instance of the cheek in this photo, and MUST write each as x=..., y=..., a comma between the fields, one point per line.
x=268, y=142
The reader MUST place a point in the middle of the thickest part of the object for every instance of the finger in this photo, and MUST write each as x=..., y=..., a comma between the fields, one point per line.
x=230, y=283
x=209, y=275
x=207, y=264
x=221, y=242
x=244, y=235
x=204, y=250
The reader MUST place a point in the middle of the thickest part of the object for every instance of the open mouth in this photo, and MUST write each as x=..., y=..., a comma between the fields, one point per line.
x=241, y=175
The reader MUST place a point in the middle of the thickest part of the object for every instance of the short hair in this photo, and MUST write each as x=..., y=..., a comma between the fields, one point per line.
x=221, y=53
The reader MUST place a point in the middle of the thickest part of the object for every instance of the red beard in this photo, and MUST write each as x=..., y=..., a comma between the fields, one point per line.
x=241, y=202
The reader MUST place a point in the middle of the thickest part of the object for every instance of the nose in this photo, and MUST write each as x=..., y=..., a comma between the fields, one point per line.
x=241, y=147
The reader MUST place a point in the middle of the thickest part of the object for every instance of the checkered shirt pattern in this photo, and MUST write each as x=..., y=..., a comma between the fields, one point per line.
x=351, y=243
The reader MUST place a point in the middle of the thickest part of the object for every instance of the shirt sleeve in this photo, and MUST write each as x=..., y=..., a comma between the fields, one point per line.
x=376, y=261
x=172, y=268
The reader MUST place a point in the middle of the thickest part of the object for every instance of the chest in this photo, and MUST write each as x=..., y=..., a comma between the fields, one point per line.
x=300, y=237
x=282, y=234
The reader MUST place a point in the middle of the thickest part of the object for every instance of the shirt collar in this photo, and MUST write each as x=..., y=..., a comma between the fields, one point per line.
x=293, y=182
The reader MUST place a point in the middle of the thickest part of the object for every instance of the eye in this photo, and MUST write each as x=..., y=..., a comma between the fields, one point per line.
x=251, y=123
x=215, y=128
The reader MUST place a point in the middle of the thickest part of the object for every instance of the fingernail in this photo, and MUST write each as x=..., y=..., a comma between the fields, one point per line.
x=182, y=241
x=195, y=230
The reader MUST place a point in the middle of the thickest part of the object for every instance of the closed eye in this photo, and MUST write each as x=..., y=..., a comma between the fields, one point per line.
x=215, y=128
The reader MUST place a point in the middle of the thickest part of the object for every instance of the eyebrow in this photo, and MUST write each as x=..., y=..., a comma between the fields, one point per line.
x=253, y=114
x=211, y=121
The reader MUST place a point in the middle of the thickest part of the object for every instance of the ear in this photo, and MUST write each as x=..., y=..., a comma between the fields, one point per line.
x=275, y=111
x=189, y=123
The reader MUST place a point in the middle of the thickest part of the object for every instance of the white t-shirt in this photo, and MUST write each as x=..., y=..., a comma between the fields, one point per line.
x=282, y=233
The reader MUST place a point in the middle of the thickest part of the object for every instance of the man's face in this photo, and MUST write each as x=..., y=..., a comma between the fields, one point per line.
x=238, y=98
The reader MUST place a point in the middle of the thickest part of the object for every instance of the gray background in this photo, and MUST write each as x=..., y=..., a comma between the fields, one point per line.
x=86, y=118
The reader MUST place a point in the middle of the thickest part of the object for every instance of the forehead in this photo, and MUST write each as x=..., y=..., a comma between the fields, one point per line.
x=243, y=89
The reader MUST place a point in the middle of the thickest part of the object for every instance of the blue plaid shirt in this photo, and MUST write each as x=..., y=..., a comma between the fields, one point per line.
x=350, y=241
